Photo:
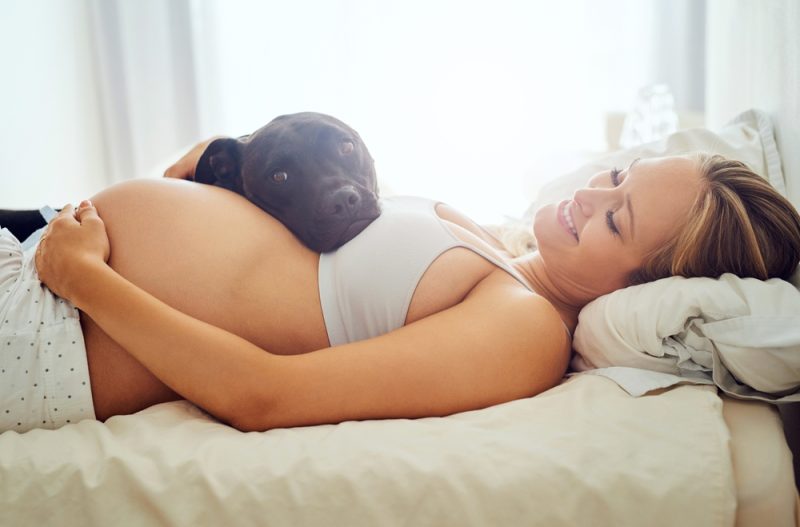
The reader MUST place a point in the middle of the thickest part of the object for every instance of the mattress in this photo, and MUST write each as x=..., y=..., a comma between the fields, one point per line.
x=584, y=452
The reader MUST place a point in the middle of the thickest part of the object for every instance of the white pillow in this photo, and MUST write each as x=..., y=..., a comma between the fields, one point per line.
x=741, y=334
x=749, y=138
x=670, y=356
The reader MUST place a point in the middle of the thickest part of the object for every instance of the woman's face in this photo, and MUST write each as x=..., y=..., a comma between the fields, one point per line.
x=591, y=243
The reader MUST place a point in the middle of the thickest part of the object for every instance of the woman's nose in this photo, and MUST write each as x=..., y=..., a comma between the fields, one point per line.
x=586, y=200
x=591, y=198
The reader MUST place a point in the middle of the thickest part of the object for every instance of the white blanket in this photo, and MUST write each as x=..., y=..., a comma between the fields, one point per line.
x=741, y=334
x=583, y=453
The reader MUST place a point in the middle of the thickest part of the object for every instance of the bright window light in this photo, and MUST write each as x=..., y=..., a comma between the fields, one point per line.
x=465, y=102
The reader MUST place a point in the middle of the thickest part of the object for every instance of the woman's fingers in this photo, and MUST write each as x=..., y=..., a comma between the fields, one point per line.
x=87, y=216
x=84, y=207
x=70, y=214
x=74, y=242
x=67, y=211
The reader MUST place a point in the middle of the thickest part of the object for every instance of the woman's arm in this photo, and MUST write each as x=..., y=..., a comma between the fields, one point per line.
x=201, y=362
x=499, y=344
x=184, y=168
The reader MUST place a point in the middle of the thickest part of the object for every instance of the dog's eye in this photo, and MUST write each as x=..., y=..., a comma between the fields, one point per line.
x=280, y=176
x=346, y=147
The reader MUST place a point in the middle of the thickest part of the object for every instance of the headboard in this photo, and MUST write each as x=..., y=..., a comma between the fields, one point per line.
x=753, y=61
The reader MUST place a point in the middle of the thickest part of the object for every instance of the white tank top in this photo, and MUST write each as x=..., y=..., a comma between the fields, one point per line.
x=366, y=285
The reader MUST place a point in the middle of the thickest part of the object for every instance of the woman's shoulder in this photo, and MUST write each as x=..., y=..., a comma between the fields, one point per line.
x=520, y=324
x=509, y=298
x=452, y=215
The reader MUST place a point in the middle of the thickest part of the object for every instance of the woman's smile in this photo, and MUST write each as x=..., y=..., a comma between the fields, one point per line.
x=565, y=218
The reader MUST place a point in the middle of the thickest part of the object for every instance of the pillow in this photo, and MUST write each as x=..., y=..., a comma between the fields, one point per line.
x=695, y=332
x=749, y=138
x=741, y=334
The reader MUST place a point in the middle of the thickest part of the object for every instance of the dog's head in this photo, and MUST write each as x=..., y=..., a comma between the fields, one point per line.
x=309, y=170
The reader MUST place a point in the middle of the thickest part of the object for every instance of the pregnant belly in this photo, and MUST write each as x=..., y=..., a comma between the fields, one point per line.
x=213, y=255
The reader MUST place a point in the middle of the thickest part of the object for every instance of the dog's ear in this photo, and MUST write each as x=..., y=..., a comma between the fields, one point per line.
x=220, y=163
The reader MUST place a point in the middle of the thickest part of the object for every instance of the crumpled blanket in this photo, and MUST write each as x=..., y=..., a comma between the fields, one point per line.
x=741, y=334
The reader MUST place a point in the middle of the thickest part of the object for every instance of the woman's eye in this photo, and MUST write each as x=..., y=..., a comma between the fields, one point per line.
x=280, y=176
x=615, y=172
x=610, y=222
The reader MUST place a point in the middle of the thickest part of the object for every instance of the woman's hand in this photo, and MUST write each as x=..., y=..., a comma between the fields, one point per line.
x=74, y=243
x=184, y=168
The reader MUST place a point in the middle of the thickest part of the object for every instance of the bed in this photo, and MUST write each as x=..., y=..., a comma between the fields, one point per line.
x=583, y=453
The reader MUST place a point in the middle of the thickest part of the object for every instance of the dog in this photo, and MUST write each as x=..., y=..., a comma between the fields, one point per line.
x=309, y=170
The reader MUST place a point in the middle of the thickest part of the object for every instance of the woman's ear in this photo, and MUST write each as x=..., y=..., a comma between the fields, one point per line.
x=220, y=164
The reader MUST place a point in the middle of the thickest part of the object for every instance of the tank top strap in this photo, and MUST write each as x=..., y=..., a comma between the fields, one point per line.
x=493, y=258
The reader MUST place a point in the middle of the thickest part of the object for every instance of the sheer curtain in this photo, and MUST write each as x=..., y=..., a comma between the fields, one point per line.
x=51, y=142
x=145, y=77
x=467, y=102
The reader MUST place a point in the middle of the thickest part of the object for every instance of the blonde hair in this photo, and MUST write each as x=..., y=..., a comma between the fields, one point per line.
x=739, y=224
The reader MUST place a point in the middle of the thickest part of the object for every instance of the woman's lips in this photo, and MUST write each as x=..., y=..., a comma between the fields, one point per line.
x=562, y=220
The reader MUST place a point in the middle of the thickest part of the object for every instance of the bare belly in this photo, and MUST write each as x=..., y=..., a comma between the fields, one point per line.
x=215, y=256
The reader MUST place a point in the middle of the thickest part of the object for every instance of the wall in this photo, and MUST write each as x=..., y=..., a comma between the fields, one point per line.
x=753, y=60
x=51, y=144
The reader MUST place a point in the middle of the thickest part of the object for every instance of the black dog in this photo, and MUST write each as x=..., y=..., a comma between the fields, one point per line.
x=309, y=170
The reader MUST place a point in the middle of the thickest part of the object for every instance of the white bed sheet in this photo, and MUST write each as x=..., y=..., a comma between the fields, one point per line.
x=766, y=494
x=583, y=453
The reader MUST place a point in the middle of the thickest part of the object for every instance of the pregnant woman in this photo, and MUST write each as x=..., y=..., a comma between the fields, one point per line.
x=189, y=291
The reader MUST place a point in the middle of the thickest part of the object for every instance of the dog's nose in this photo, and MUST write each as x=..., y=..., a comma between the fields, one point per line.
x=344, y=202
